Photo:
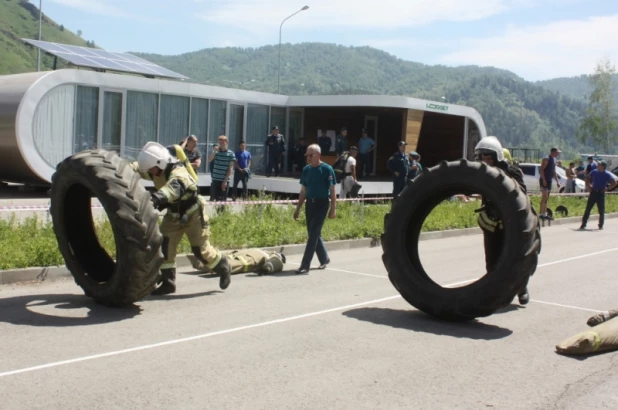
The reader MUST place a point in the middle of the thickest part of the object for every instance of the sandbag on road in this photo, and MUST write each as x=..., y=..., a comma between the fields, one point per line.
x=601, y=338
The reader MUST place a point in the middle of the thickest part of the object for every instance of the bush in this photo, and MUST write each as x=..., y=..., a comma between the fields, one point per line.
x=32, y=242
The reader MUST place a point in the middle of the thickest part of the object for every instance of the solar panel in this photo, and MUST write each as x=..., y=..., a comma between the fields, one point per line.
x=96, y=58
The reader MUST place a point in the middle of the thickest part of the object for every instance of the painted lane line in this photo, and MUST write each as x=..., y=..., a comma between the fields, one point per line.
x=577, y=257
x=566, y=306
x=191, y=338
x=205, y=335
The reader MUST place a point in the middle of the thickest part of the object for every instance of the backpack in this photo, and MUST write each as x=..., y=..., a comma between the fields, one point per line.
x=339, y=166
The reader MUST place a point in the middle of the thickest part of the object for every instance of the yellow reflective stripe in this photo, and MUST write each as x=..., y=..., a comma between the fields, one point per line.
x=168, y=265
x=215, y=261
x=244, y=262
x=597, y=341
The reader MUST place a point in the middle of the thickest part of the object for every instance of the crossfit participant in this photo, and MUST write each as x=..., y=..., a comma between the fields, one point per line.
x=489, y=150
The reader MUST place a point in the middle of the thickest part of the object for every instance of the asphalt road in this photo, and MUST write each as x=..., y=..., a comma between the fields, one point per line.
x=336, y=338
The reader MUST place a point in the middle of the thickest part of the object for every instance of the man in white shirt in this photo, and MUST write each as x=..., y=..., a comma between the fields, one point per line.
x=349, y=177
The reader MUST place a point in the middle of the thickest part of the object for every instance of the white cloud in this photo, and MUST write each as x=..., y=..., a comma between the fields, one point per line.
x=563, y=48
x=110, y=8
x=255, y=15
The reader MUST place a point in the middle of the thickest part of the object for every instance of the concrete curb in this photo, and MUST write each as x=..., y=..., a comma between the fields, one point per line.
x=51, y=273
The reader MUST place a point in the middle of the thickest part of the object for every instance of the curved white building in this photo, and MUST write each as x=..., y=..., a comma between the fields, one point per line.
x=47, y=116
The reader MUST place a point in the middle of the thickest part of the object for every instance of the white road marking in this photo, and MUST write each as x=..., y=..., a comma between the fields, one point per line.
x=565, y=306
x=272, y=322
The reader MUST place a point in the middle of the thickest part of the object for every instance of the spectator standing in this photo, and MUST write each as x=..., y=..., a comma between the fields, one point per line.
x=415, y=165
x=242, y=171
x=598, y=180
x=580, y=171
x=592, y=165
x=365, y=147
x=349, y=174
x=317, y=190
x=189, y=146
x=399, y=164
x=570, y=174
x=341, y=141
x=325, y=143
x=222, y=170
x=299, y=154
x=275, y=149
x=548, y=171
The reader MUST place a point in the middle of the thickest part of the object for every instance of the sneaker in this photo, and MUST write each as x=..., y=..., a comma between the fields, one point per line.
x=583, y=227
x=600, y=227
x=323, y=266
x=302, y=271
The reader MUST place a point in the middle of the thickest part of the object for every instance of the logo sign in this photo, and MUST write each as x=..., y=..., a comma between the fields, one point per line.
x=437, y=107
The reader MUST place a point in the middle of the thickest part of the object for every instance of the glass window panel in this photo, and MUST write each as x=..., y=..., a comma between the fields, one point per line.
x=173, y=119
x=199, y=128
x=216, y=126
x=294, y=135
x=237, y=113
x=86, y=118
x=112, y=121
x=141, y=122
x=52, y=125
x=257, y=130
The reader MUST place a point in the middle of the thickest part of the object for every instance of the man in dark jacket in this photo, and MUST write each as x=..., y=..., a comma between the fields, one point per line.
x=275, y=149
x=399, y=164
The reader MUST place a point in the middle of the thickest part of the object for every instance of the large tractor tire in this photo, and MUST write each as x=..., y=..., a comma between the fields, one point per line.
x=134, y=222
x=494, y=290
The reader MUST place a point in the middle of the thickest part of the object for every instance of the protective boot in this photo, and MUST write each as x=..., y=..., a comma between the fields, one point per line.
x=168, y=279
x=224, y=269
x=524, y=297
x=602, y=317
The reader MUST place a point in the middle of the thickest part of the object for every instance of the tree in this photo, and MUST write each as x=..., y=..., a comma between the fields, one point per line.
x=62, y=27
x=79, y=33
x=599, y=124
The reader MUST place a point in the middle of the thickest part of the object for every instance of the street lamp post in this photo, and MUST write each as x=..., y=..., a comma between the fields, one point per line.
x=38, y=58
x=279, y=68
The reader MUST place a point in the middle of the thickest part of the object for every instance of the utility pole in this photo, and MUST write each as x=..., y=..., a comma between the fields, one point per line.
x=38, y=58
x=279, y=67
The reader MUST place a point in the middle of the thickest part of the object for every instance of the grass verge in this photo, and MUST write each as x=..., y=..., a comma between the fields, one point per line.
x=32, y=242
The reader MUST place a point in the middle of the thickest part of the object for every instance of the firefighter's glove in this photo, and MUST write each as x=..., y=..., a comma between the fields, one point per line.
x=487, y=223
x=158, y=200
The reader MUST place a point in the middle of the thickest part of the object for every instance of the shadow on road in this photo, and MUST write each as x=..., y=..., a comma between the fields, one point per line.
x=420, y=322
x=59, y=310
x=174, y=296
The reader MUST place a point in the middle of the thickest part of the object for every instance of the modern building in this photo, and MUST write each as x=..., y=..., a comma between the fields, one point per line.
x=47, y=116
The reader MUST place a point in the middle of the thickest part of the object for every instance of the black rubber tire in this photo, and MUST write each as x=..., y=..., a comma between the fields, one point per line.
x=134, y=221
x=496, y=289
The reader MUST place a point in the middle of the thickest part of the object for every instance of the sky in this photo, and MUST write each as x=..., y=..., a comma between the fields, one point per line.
x=535, y=39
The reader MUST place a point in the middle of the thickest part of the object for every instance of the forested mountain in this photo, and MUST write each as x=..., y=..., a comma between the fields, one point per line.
x=574, y=87
x=20, y=19
x=521, y=113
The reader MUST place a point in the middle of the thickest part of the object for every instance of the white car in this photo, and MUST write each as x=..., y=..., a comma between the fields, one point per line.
x=532, y=176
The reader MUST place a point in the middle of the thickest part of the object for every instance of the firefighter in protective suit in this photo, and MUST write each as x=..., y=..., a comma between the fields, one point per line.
x=489, y=150
x=177, y=191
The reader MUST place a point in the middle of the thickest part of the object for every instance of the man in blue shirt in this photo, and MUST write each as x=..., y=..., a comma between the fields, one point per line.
x=598, y=181
x=365, y=146
x=399, y=164
x=317, y=190
x=242, y=171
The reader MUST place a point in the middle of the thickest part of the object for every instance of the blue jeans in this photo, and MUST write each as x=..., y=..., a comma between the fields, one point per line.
x=595, y=197
x=316, y=211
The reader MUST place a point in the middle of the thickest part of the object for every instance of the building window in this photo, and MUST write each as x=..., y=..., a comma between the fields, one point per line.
x=173, y=119
x=141, y=122
x=112, y=121
x=216, y=125
x=53, y=123
x=86, y=118
x=199, y=128
x=257, y=130
x=235, y=135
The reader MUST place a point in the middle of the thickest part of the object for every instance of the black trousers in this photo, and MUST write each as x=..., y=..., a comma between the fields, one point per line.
x=316, y=211
x=240, y=177
x=492, y=242
x=596, y=197
x=218, y=194
x=399, y=183
x=273, y=162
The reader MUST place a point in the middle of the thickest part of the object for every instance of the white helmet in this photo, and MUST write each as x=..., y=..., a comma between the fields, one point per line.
x=489, y=145
x=154, y=155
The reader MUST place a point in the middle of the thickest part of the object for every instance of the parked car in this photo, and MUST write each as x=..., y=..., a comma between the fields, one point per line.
x=532, y=176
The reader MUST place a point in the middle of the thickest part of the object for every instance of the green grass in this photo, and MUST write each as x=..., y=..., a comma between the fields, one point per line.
x=33, y=243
